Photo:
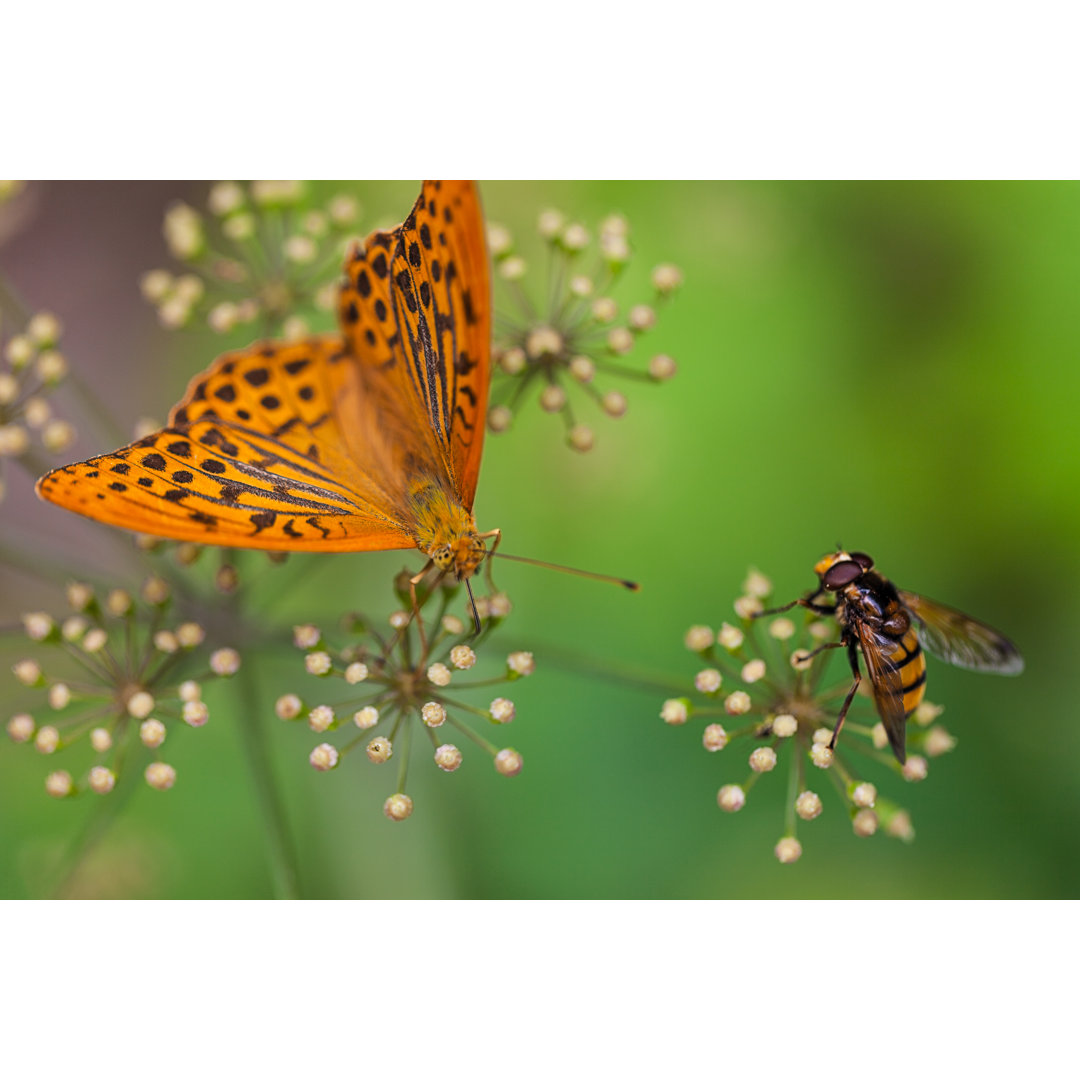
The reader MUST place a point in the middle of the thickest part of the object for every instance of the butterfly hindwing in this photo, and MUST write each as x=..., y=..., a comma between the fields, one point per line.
x=253, y=457
x=416, y=309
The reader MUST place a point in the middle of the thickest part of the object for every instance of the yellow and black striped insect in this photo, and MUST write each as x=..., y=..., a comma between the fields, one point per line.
x=890, y=627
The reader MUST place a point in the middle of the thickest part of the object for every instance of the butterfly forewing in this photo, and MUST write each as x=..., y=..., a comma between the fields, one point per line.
x=959, y=639
x=254, y=456
x=416, y=310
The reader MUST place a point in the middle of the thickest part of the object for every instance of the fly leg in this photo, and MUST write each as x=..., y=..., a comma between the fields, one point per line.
x=853, y=660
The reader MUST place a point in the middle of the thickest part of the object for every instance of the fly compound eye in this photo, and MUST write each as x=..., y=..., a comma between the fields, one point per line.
x=863, y=560
x=842, y=573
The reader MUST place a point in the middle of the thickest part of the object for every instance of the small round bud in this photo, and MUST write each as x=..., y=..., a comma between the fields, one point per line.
x=165, y=641
x=101, y=740
x=44, y=328
x=190, y=635
x=757, y=584
x=189, y=289
x=938, y=741
x=439, y=675
x=36, y=411
x=398, y=807
x=708, y=681
x=730, y=637
x=915, y=768
x=189, y=690
x=118, y=602
x=675, y=711
x=822, y=736
x=763, y=759
x=155, y=285
x=864, y=795
x=864, y=823
x=820, y=630
x=9, y=388
x=160, y=776
x=433, y=714
x=499, y=418
x=508, y=762
x=59, y=784
x=300, y=249
x=27, y=672
x=448, y=757
x=399, y=620
x=226, y=579
x=513, y=361
x=462, y=657
x=195, y=713
x=94, y=640
x=620, y=341
x=641, y=317
x=788, y=850
x=784, y=725
x=580, y=437
x=552, y=398
x=699, y=638
x=222, y=317
x=746, y=607
x=714, y=738
x=73, y=627
x=899, y=825
x=366, y=718
x=821, y=755
x=801, y=660
x=183, y=231
x=879, y=737
x=521, y=663
x=782, y=629
x=499, y=239
x=512, y=268
x=288, y=707
x=225, y=662
x=20, y=727
x=101, y=779
x=615, y=249
x=666, y=278
x=499, y=605
x=47, y=740
x=604, y=309
x=321, y=718
x=550, y=223
x=324, y=757
x=152, y=733
x=14, y=440
x=59, y=695
x=543, y=341
x=225, y=196
x=344, y=209
x=318, y=663
x=502, y=710
x=808, y=805
x=356, y=672
x=306, y=636
x=453, y=625
x=926, y=713
x=753, y=671
x=737, y=703
x=575, y=237
x=277, y=192
x=379, y=750
x=731, y=798
x=614, y=403
x=582, y=369
x=140, y=704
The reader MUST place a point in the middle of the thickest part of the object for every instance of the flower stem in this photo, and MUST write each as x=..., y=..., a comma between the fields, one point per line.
x=279, y=846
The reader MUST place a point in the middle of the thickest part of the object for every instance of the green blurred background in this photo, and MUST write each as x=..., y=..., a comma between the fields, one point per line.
x=890, y=365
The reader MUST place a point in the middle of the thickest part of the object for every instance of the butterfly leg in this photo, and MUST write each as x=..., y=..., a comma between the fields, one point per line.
x=853, y=659
x=497, y=533
x=413, y=582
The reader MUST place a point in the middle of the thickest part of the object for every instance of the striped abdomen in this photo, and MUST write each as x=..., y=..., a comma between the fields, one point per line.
x=908, y=658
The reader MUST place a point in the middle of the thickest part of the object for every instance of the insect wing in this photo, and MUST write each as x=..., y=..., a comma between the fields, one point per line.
x=959, y=639
x=416, y=310
x=887, y=684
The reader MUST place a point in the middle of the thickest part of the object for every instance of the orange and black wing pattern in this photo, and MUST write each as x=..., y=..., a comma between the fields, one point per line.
x=959, y=639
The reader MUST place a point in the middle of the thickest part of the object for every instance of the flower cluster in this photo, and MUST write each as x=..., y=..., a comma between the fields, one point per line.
x=574, y=334
x=32, y=367
x=114, y=680
x=261, y=253
x=404, y=680
x=767, y=693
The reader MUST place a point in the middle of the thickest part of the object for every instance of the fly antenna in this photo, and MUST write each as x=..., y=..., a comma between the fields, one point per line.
x=633, y=586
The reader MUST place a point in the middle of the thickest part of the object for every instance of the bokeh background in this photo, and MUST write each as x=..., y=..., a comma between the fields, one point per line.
x=890, y=365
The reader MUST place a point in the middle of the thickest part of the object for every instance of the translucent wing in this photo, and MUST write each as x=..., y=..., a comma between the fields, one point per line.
x=257, y=454
x=887, y=684
x=959, y=639
x=416, y=310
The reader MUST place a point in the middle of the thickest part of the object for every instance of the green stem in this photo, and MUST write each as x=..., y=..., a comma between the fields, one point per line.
x=279, y=846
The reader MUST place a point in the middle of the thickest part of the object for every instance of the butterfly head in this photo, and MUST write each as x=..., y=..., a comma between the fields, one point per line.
x=462, y=554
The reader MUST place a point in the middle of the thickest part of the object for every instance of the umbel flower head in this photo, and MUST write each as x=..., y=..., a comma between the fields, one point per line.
x=565, y=337
x=761, y=695
x=115, y=676
x=403, y=683
x=258, y=254
x=31, y=367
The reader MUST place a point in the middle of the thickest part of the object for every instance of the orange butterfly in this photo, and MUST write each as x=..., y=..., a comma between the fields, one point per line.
x=365, y=440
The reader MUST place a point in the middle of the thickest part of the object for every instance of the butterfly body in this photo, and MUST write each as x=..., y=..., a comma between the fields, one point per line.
x=364, y=440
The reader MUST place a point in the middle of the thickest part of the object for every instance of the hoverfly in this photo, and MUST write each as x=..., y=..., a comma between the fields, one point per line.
x=890, y=627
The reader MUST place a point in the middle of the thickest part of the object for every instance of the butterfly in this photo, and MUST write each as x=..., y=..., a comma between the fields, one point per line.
x=368, y=439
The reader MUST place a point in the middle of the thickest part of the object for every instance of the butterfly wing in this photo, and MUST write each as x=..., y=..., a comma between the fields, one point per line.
x=959, y=639
x=887, y=684
x=254, y=455
x=416, y=310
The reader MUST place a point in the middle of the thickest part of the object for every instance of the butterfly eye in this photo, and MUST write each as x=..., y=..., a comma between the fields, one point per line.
x=863, y=560
x=443, y=557
x=842, y=573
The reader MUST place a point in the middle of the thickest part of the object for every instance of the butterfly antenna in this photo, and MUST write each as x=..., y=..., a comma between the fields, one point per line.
x=633, y=586
x=472, y=604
